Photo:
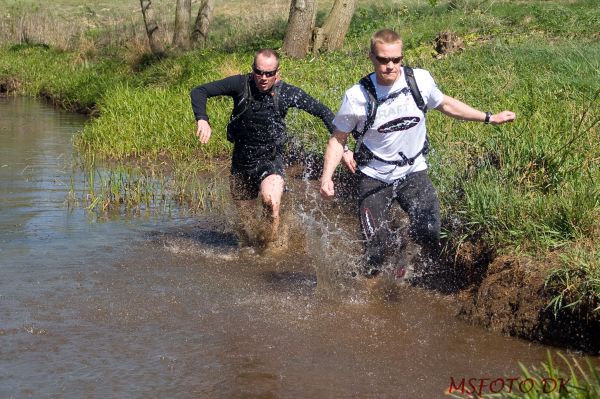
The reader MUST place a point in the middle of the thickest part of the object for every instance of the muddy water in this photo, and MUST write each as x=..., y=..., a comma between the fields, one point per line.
x=168, y=307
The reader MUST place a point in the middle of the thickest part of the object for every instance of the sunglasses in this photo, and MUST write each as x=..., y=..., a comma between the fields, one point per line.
x=268, y=74
x=387, y=60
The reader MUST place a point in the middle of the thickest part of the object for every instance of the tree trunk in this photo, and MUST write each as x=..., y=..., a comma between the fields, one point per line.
x=181, y=34
x=301, y=22
x=203, y=20
x=331, y=36
x=151, y=27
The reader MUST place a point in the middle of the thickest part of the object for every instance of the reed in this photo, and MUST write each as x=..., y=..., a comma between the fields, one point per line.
x=131, y=189
x=565, y=379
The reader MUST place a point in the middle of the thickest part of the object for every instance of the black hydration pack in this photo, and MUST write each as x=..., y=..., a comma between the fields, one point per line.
x=362, y=154
x=245, y=103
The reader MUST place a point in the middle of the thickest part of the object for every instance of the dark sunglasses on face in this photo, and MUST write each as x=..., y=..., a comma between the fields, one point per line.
x=387, y=60
x=268, y=74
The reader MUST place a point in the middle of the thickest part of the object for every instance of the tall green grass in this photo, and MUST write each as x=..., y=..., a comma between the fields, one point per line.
x=126, y=188
x=576, y=284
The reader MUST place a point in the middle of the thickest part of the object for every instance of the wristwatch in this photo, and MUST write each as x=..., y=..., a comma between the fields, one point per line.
x=488, y=115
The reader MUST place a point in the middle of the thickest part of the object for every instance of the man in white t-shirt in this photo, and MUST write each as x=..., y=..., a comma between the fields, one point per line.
x=390, y=150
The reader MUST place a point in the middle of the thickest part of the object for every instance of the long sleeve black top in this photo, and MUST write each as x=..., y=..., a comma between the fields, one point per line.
x=260, y=131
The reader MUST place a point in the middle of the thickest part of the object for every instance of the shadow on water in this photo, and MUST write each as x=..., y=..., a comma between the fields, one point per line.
x=201, y=236
x=295, y=281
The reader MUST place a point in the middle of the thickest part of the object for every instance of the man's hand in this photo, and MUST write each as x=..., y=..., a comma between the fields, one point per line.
x=204, y=131
x=327, y=189
x=348, y=160
x=502, y=117
x=333, y=155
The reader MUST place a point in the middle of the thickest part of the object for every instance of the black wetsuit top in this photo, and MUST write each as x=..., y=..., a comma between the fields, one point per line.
x=259, y=133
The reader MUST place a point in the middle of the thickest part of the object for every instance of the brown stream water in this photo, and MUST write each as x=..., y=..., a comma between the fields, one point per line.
x=168, y=307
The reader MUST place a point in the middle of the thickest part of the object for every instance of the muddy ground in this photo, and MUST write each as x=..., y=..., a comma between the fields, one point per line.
x=508, y=294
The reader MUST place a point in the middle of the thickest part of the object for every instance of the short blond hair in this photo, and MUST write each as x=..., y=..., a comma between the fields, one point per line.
x=385, y=36
x=268, y=53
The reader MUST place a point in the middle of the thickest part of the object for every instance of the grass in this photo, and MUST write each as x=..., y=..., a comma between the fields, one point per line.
x=548, y=381
x=576, y=284
x=129, y=189
x=528, y=187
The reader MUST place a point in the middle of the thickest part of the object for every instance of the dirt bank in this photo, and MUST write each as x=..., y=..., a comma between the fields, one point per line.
x=65, y=103
x=9, y=85
x=508, y=295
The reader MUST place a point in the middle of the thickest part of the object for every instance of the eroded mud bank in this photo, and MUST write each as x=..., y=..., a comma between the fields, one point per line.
x=508, y=294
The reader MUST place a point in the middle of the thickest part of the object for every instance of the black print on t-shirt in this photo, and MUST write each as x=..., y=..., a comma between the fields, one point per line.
x=395, y=125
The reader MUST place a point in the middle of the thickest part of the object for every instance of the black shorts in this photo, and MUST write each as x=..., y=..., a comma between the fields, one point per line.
x=244, y=183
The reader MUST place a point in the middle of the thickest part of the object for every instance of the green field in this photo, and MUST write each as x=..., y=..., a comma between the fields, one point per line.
x=529, y=188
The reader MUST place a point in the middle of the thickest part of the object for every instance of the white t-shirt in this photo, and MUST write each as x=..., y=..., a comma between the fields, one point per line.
x=399, y=125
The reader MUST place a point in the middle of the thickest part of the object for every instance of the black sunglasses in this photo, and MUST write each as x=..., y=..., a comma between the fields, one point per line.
x=387, y=60
x=268, y=74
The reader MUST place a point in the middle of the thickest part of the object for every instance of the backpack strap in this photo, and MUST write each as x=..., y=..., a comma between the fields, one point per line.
x=372, y=104
x=409, y=75
x=244, y=102
x=405, y=160
x=276, y=92
x=366, y=83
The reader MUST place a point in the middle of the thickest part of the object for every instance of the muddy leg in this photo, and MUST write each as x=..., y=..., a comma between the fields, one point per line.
x=271, y=191
x=244, y=193
x=245, y=222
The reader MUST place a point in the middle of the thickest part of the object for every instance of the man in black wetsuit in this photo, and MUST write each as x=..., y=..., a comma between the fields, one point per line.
x=257, y=128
